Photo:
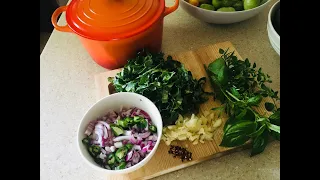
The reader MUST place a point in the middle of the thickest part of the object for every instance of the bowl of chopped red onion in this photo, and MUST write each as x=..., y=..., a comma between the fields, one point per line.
x=120, y=133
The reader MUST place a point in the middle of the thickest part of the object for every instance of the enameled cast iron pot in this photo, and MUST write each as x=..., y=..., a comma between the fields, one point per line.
x=112, y=31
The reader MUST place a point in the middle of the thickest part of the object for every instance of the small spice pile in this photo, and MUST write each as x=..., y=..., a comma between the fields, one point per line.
x=183, y=153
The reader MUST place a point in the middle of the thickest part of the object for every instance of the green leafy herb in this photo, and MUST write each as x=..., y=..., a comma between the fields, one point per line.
x=165, y=82
x=240, y=87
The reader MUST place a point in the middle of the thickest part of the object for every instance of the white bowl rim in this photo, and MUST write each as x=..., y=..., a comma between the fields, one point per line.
x=269, y=19
x=127, y=170
x=222, y=12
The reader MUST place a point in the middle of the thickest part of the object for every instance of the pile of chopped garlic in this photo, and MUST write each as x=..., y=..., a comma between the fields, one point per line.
x=194, y=129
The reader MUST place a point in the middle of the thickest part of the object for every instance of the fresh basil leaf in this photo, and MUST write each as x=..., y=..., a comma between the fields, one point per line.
x=275, y=117
x=242, y=113
x=221, y=51
x=255, y=100
x=275, y=135
x=237, y=134
x=222, y=75
x=216, y=66
x=228, y=124
x=235, y=92
x=262, y=119
x=269, y=106
x=273, y=127
x=259, y=143
x=259, y=131
x=249, y=115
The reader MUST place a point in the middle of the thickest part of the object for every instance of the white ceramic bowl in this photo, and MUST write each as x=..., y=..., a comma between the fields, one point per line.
x=114, y=102
x=217, y=17
x=274, y=37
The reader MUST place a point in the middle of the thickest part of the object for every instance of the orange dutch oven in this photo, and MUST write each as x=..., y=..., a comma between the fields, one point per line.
x=112, y=31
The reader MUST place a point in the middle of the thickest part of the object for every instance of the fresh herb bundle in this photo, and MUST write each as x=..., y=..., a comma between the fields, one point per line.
x=165, y=82
x=240, y=88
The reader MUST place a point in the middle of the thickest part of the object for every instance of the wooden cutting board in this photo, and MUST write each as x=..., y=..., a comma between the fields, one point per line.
x=162, y=163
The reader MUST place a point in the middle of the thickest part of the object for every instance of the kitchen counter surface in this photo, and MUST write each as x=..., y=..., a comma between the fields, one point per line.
x=67, y=90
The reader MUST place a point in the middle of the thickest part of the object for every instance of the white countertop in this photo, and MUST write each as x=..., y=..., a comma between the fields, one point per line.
x=67, y=90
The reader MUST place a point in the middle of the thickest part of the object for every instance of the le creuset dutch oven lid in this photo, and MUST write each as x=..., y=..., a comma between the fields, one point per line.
x=112, y=19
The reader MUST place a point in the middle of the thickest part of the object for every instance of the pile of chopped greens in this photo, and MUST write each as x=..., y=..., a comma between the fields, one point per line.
x=240, y=88
x=165, y=82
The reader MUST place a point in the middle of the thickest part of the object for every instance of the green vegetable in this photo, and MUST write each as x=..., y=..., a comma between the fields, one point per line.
x=153, y=128
x=121, y=153
x=240, y=87
x=137, y=119
x=165, y=82
x=122, y=165
x=117, y=130
x=129, y=146
x=94, y=150
x=250, y=4
x=238, y=6
x=86, y=141
x=129, y=120
x=204, y=1
x=123, y=123
x=228, y=3
x=111, y=159
x=207, y=6
x=98, y=160
x=259, y=143
x=217, y=4
x=237, y=134
x=226, y=9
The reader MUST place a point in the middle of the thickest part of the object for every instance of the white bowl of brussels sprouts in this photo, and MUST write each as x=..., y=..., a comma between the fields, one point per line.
x=223, y=11
x=120, y=133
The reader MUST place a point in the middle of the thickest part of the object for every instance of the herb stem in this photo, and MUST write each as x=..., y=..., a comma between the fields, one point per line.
x=232, y=96
x=226, y=95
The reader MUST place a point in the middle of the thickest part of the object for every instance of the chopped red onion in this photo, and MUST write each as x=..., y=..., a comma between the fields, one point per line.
x=136, y=147
x=107, y=149
x=124, y=142
x=127, y=133
x=129, y=155
x=144, y=149
x=135, y=157
x=102, y=156
x=144, y=135
x=105, y=132
x=133, y=140
x=120, y=138
x=105, y=124
x=125, y=113
x=142, y=154
x=90, y=128
x=145, y=114
x=143, y=144
x=149, y=149
x=153, y=143
x=128, y=165
x=147, y=127
x=112, y=148
x=103, y=151
x=118, y=144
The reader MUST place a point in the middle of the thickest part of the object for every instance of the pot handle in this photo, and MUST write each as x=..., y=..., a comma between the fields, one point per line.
x=169, y=10
x=54, y=18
